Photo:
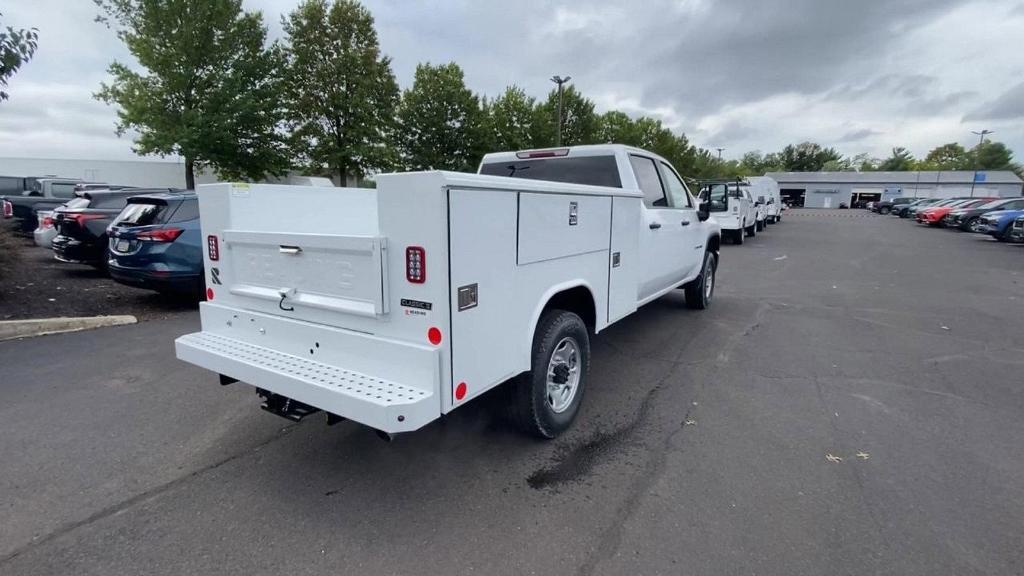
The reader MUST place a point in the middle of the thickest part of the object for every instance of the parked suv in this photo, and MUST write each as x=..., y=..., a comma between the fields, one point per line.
x=997, y=223
x=82, y=225
x=1017, y=229
x=155, y=243
x=970, y=218
x=888, y=206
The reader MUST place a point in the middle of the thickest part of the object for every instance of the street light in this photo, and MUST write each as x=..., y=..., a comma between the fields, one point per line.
x=981, y=140
x=719, y=153
x=559, y=80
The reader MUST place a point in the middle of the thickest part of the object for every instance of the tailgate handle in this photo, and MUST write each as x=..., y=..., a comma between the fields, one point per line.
x=289, y=249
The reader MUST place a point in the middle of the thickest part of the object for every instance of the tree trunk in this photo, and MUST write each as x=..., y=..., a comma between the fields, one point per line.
x=342, y=177
x=190, y=173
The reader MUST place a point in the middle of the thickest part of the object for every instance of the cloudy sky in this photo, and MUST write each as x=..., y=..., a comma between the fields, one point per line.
x=862, y=76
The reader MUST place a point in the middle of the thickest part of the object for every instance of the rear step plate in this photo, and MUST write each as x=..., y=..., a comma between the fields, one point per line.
x=381, y=404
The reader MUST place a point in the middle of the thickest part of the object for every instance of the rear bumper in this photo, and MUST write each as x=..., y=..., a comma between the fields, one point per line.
x=160, y=281
x=68, y=249
x=386, y=384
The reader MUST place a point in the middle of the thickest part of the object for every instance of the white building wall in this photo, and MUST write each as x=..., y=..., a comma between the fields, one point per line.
x=146, y=173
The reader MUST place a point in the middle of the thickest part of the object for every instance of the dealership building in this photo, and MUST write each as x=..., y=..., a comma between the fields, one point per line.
x=830, y=189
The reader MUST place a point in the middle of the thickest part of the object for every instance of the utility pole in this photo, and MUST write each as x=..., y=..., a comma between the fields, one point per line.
x=559, y=80
x=981, y=140
x=719, y=153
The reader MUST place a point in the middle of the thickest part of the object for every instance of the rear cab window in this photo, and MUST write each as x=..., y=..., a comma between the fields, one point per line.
x=593, y=170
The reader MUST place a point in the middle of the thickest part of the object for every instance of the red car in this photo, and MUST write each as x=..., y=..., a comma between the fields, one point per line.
x=933, y=216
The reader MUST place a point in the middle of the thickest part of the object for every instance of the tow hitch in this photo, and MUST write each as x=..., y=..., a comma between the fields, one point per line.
x=284, y=406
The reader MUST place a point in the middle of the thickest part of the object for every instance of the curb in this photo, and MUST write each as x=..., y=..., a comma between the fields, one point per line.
x=10, y=329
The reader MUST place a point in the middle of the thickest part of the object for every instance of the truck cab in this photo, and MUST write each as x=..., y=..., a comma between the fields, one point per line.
x=412, y=299
x=767, y=189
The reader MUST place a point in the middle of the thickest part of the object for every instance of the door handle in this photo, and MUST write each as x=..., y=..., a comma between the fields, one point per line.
x=685, y=223
x=654, y=226
x=289, y=249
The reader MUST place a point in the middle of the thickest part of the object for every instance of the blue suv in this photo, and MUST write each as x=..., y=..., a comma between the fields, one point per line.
x=997, y=224
x=155, y=243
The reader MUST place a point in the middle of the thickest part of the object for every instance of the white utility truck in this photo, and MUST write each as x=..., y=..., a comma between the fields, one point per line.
x=394, y=306
x=768, y=188
x=734, y=207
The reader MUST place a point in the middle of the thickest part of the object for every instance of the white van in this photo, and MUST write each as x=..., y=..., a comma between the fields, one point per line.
x=768, y=189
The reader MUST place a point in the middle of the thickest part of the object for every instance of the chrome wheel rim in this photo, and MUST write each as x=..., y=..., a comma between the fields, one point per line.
x=709, y=280
x=563, y=375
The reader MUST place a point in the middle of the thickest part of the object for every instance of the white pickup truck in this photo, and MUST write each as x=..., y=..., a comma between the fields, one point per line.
x=394, y=306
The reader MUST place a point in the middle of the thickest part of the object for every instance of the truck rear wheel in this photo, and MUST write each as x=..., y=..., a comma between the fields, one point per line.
x=546, y=399
x=737, y=236
x=700, y=291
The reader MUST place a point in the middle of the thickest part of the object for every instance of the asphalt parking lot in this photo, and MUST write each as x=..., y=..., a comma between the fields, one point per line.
x=703, y=446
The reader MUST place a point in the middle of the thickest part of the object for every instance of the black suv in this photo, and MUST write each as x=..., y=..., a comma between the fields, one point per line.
x=892, y=205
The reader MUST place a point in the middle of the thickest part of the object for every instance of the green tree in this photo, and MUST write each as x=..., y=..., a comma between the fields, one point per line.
x=864, y=162
x=807, y=157
x=755, y=163
x=579, y=123
x=16, y=48
x=900, y=161
x=440, y=119
x=510, y=120
x=950, y=156
x=340, y=91
x=211, y=89
x=991, y=156
x=615, y=127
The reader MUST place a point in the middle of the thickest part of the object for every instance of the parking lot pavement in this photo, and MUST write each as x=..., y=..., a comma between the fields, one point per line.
x=704, y=444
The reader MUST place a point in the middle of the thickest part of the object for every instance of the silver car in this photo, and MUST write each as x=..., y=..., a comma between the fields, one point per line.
x=45, y=230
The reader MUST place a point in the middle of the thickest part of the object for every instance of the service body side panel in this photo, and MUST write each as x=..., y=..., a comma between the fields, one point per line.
x=487, y=338
x=624, y=260
x=491, y=341
x=558, y=225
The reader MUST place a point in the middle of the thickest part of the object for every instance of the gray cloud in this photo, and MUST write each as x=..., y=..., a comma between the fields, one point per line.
x=857, y=135
x=1008, y=106
x=733, y=73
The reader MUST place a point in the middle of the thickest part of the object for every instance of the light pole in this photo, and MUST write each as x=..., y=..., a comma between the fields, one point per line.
x=981, y=140
x=719, y=153
x=559, y=80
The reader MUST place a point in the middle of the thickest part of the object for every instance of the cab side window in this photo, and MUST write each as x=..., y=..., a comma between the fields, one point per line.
x=678, y=194
x=649, y=181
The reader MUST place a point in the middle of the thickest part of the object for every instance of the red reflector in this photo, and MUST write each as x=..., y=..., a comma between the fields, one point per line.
x=212, y=247
x=48, y=222
x=209, y=293
x=543, y=153
x=416, y=264
x=460, y=391
x=434, y=335
x=161, y=235
x=8, y=209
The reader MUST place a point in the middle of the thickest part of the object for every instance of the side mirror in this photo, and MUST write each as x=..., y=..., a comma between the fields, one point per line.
x=758, y=203
x=703, y=211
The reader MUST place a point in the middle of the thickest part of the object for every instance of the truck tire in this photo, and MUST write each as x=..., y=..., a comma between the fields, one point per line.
x=546, y=399
x=700, y=291
x=752, y=231
x=737, y=236
x=759, y=225
x=885, y=210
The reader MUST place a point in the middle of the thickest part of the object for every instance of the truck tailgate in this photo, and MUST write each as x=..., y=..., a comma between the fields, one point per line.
x=341, y=273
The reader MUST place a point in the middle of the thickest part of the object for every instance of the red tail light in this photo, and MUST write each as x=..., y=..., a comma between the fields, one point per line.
x=161, y=235
x=416, y=264
x=8, y=209
x=543, y=153
x=213, y=248
x=81, y=219
x=47, y=222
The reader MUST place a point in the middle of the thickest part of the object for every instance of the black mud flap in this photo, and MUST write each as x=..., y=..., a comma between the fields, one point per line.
x=285, y=407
